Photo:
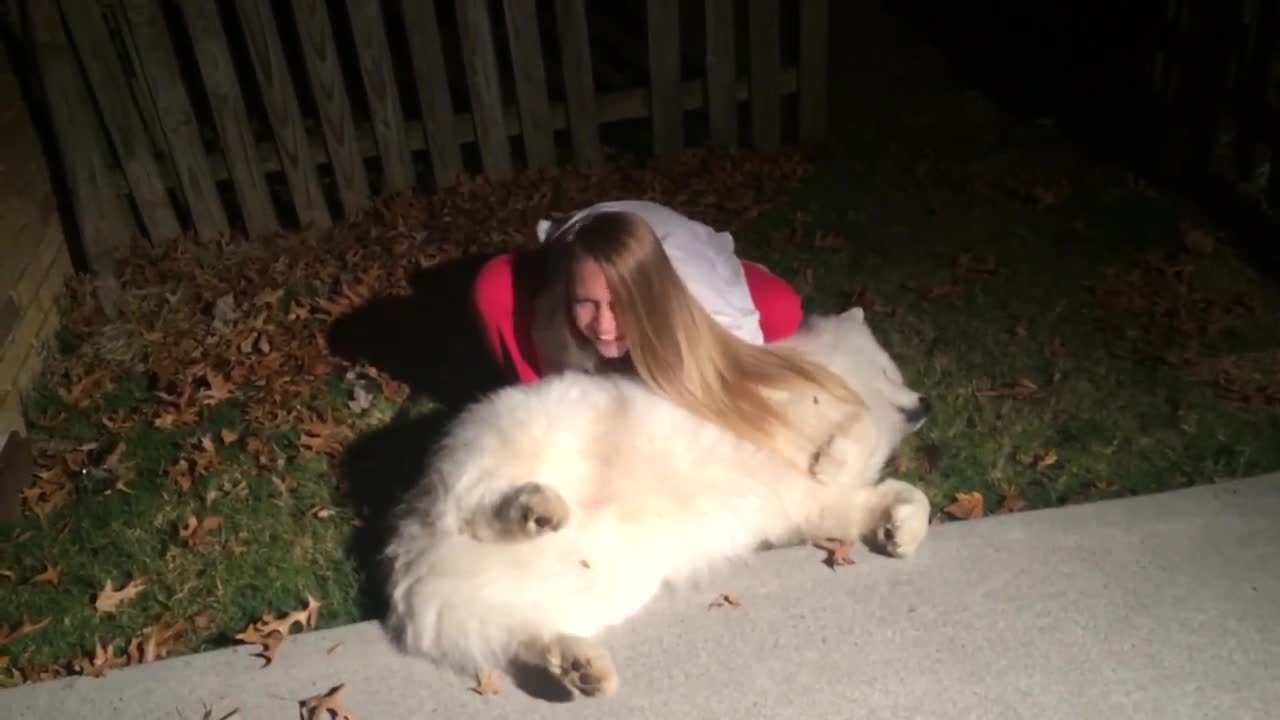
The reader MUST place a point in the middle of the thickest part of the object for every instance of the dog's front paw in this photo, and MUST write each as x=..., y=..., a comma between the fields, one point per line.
x=532, y=510
x=905, y=521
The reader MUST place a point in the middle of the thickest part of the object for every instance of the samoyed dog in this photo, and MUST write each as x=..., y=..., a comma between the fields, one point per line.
x=554, y=510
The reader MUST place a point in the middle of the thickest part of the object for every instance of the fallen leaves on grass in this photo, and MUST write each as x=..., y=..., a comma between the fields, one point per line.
x=110, y=600
x=52, y=575
x=725, y=599
x=270, y=631
x=487, y=683
x=1046, y=459
x=25, y=629
x=104, y=658
x=1013, y=501
x=839, y=552
x=158, y=641
x=86, y=387
x=52, y=490
x=323, y=436
x=327, y=705
x=194, y=533
x=1022, y=388
x=967, y=506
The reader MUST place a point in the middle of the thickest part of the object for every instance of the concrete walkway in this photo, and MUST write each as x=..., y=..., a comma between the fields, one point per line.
x=1165, y=606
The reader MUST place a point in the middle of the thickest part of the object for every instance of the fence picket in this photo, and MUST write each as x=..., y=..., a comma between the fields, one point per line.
x=384, y=96
x=281, y=102
x=239, y=149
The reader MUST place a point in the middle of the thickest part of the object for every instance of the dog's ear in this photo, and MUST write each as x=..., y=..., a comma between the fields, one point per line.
x=855, y=313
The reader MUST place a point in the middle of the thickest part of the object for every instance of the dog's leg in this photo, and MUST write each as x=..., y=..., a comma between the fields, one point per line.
x=891, y=517
x=903, y=518
x=526, y=511
x=580, y=663
x=831, y=463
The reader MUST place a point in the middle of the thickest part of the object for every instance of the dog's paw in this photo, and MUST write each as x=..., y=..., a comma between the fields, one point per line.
x=583, y=665
x=905, y=521
x=532, y=510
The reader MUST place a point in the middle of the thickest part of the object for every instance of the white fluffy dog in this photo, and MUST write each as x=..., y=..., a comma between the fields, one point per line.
x=554, y=510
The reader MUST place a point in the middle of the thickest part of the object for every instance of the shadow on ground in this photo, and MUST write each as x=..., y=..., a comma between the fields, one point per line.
x=428, y=340
x=431, y=341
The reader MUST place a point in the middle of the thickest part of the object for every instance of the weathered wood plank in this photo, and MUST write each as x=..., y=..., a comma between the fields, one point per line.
x=579, y=84
x=613, y=106
x=432, y=79
x=229, y=115
x=124, y=124
x=664, y=76
x=384, y=95
x=320, y=55
x=114, y=13
x=281, y=101
x=722, y=73
x=815, y=20
x=159, y=65
x=766, y=99
x=103, y=220
x=531, y=84
x=484, y=88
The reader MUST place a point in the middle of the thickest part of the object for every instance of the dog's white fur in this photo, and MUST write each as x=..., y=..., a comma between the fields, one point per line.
x=554, y=510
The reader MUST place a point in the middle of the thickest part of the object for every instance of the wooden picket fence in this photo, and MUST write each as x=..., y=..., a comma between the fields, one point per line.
x=152, y=101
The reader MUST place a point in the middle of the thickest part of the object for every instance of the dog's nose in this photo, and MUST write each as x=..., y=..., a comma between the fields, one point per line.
x=920, y=412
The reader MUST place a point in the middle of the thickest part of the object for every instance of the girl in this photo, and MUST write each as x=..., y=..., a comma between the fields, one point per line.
x=638, y=288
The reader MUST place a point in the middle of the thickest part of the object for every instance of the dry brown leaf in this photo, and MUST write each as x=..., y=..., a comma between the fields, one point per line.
x=1012, y=502
x=487, y=683
x=220, y=388
x=1020, y=388
x=321, y=512
x=208, y=714
x=1046, y=459
x=156, y=642
x=8, y=575
x=967, y=506
x=86, y=388
x=228, y=436
x=724, y=599
x=104, y=659
x=195, y=533
x=327, y=705
x=181, y=475
x=270, y=631
x=26, y=628
x=839, y=552
x=323, y=435
x=110, y=599
x=52, y=575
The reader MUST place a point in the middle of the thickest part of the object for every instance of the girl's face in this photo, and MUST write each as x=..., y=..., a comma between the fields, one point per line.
x=593, y=313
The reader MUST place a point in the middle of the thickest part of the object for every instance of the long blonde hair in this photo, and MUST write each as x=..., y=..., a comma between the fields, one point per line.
x=675, y=345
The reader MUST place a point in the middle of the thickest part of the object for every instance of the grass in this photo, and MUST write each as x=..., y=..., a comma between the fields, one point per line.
x=1150, y=364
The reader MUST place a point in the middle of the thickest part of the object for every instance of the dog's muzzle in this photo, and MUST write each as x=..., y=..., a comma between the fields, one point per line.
x=917, y=415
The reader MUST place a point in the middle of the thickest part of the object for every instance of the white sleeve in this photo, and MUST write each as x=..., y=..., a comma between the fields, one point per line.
x=703, y=258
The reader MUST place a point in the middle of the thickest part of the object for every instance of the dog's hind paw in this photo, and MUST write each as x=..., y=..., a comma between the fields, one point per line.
x=583, y=665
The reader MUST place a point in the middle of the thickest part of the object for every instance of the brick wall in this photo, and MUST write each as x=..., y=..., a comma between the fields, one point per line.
x=34, y=263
